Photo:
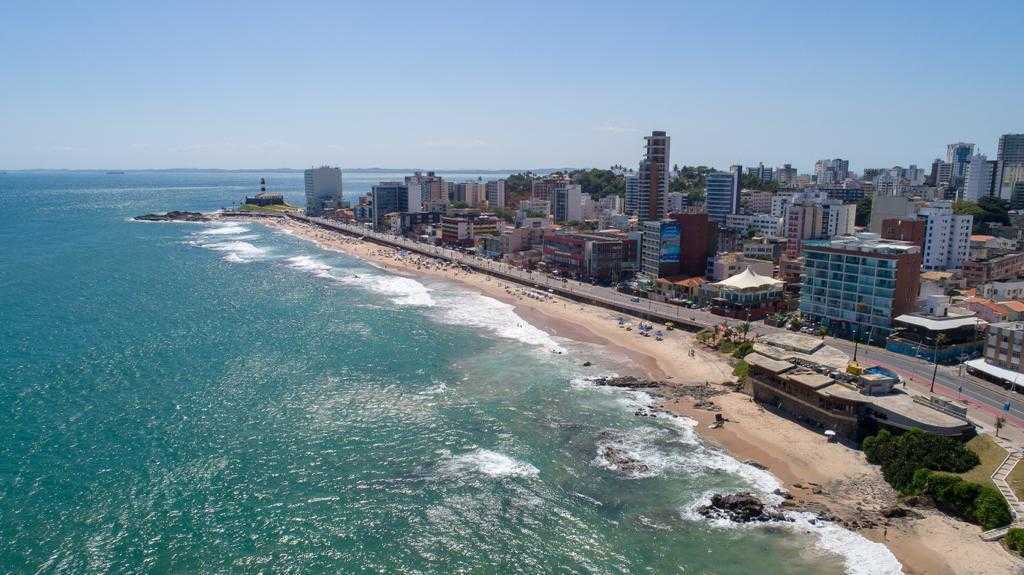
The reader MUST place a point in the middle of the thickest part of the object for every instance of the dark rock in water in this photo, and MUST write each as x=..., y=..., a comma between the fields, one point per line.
x=174, y=216
x=626, y=381
x=739, y=507
x=623, y=462
x=587, y=364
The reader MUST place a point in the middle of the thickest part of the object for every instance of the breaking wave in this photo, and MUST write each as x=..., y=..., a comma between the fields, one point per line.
x=488, y=463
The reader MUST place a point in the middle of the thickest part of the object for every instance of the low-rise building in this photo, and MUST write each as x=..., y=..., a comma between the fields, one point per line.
x=988, y=310
x=1001, y=360
x=1002, y=291
x=853, y=407
x=765, y=225
x=681, y=289
x=944, y=339
x=995, y=268
x=728, y=264
x=465, y=229
x=768, y=249
x=746, y=295
x=586, y=257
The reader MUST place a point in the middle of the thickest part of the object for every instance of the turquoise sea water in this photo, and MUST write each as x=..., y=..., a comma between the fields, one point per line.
x=193, y=398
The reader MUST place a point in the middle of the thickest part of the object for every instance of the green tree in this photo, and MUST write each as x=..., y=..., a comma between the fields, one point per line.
x=863, y=216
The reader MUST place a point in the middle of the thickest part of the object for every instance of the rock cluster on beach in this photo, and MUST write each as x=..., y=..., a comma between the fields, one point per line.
x=174, y=216
x=739, y=507
x=626, y=381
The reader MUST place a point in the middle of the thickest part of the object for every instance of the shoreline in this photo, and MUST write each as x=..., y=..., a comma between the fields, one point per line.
x=820, y=476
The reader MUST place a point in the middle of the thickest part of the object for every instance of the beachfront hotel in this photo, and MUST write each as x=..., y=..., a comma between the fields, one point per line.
x=855, y=285
x=323, y=189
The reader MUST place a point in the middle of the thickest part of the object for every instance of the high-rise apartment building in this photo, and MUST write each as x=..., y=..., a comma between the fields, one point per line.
x=567, y=203
x=388, y=198
x=544, y=188
x=786, y=175
x=632, y=194
x=1010, y=171
x=979, y=179
x=958, y=155
x=415, y=184
x=495, y=190
x=323, y=189
x=831, y=172
x=856, y=285
x=722, y=194
x=653, y=177
x=947, y=240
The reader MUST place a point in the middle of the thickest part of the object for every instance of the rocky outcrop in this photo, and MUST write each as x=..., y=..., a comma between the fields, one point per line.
x=624, y=462
x=626, y=381
x=739, y=507
x=174, y=216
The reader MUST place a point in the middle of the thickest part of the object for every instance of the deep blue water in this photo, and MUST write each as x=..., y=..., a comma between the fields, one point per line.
x=181, y=398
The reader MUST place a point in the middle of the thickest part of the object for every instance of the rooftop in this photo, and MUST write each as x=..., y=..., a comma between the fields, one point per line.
x=766, y=363
x=747, y=279
x=936, y=323
x=684, y=281
x=991, y=305
x=866, y=242
x=1014, y=305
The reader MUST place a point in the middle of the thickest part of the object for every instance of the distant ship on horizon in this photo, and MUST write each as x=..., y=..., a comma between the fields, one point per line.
x=115, y=172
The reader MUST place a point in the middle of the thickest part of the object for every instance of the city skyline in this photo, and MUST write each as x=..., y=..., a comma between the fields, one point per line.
x=218, y=88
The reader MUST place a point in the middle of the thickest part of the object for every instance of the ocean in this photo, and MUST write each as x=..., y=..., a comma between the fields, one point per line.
x=224, y=398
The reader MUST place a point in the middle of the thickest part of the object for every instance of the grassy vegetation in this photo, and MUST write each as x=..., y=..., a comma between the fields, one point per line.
x=1016, y=480
x=990, y=454
x=273, y=208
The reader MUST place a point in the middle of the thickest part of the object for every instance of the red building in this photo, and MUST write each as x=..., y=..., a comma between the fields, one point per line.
x=906, y=230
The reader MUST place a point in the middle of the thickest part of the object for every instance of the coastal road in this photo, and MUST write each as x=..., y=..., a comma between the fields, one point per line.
x=949, y=381
x=979, y=394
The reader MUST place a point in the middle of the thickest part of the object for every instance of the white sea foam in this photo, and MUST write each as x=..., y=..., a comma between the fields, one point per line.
x=860, y=556
x=237, y=251
x=311, y=265
x=488, y=463
x=225, y=230
x=402, y=290
x=499, y=318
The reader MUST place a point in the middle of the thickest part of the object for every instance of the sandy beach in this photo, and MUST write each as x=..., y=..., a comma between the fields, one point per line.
x=818, y=475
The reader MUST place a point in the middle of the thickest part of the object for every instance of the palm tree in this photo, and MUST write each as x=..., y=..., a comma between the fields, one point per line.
x=1000, y=423
x=744, y=328
x=939, y=340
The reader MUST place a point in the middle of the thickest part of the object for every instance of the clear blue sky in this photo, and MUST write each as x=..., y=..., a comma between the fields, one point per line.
x=502, y=85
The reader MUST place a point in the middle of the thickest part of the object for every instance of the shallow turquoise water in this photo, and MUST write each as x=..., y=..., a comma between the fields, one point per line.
x=182, y=398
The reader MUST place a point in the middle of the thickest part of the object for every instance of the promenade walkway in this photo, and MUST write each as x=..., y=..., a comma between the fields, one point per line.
x=999, y=476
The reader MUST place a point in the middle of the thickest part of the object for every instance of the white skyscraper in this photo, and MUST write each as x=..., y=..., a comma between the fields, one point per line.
x=567, y=203
x=947, y=236
x=980, y=176
x=323, y=189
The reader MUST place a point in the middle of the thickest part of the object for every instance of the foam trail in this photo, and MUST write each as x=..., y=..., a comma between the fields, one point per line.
x=237, y=251
x=311, y=265
x=488, y=463
x=225, y=230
